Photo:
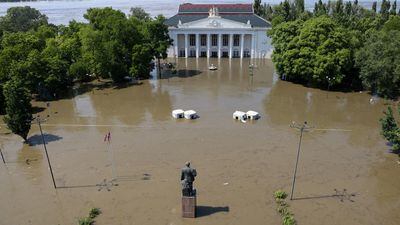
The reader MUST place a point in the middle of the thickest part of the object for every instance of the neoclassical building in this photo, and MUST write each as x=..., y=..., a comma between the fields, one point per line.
x=218, y=30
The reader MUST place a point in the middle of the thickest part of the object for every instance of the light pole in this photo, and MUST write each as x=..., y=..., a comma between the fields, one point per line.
x=2, y=156
x=302, y=128
x=39, y=121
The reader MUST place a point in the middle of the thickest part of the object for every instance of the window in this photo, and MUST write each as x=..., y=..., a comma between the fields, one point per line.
x=192, y=40
x=214, y=54
x=236, y=39
x=182, y=53
x=236, y=54
x=203, y=54
x=246, y=54
x=225, y=40
x=214, y=39
x=192, y=53
x=203, y=40
x=225, y=54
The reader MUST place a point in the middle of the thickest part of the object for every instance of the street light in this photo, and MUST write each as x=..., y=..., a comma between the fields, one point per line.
x=39, y=121
x=302, y=128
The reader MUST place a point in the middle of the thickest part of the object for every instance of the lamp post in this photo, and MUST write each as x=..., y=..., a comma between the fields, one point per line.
x=2, y=156
x=302, y=128
x=39, y=121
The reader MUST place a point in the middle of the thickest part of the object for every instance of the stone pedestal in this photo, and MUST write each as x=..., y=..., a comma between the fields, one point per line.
x=189, y=207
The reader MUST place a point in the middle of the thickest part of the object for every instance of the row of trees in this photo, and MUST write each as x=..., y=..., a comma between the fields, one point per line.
x=339, y=45
x=39, y=58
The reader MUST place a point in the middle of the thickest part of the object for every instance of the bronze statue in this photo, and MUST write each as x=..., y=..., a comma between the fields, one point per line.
x=188, y=175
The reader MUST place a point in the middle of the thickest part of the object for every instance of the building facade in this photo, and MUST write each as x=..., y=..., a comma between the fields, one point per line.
x=219, y=30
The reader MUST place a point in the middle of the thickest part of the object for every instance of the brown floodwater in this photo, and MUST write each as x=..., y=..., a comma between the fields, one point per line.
x=239, y=165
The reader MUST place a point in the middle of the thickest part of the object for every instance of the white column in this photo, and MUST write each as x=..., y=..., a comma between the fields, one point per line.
x=253, y=46
x=197, y=45
x=219, y=45
x=230, y=45
x=241, y=45
x=208, y=45
x=186, y=45
x=176, y=45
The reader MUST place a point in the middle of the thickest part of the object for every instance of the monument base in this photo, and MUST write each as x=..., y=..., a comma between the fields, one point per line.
x=189, y=206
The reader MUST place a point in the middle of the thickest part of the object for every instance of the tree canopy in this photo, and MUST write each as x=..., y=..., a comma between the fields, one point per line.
x=339, y=44
x=44, y=60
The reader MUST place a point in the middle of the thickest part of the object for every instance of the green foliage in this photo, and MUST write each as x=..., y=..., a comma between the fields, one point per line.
x=288, y=219
x=279, y=194
x=141, y=60
x=390, y=129
x=21, y=19
x=317, y=51
x=379, y=62
x=94, y=212
x=2, y=100
x=85, y=221
x=258, y=7
x=140, y=14
x=89, y=220
x=18, y=108
x=283, y=208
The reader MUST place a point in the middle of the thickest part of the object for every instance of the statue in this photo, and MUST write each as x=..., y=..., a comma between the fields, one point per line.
x=187, y=177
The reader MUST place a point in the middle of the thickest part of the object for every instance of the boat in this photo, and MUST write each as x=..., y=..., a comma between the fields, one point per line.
x=212, y=67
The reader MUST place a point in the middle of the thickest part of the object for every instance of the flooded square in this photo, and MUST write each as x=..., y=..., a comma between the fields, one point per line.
x=239, y=164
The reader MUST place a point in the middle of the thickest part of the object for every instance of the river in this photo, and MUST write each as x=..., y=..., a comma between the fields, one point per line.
x=62, y=11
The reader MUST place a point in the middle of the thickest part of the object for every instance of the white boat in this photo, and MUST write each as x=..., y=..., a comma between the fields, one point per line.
x=190, y=114
x=178, y=113
x=253, y=115
x=212, y=67
x=239, y=115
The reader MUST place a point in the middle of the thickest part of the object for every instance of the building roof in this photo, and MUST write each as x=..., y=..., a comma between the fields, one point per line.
x=237, y=12
x=222, y=8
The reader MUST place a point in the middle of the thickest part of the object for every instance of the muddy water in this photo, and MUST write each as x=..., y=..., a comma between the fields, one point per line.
x=239, y=164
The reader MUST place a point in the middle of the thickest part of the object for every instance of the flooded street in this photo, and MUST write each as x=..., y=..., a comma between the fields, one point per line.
x=239, y=165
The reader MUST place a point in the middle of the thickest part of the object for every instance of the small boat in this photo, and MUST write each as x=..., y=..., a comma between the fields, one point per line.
x=212, y=67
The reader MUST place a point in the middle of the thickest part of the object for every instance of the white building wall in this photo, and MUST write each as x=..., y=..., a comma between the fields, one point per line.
x=262, y=47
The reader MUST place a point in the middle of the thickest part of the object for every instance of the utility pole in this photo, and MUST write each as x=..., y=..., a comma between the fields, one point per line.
x=39, y=121
x=302, y=128
x=2, y=156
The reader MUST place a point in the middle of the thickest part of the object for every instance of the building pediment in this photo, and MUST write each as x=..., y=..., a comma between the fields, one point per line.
x=214, y=22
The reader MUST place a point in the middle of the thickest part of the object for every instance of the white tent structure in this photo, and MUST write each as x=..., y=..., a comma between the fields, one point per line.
x=190, y=114
x=178, y=113
x=253, y=115
x=239, y=115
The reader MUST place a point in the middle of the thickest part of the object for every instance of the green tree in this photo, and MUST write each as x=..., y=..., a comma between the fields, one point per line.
x=141, y=61
x=2, y=100
x=390, y=129
x=157, y=36
x=384, y=11
x=258, y=9
x=393, y=10
x=18, y=108
x=379, y=63
x=374, y=7
x=316, y=52
x=107, y=42
x=21, y=19
x=140, y=14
